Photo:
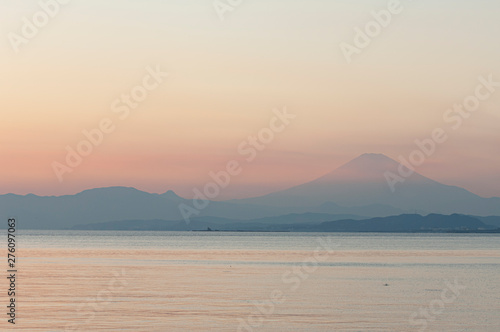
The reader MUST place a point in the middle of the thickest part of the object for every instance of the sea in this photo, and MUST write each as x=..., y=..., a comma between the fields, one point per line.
x=250, y=281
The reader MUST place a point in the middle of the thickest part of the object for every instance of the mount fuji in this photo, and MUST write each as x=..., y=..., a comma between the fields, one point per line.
x=362, y=181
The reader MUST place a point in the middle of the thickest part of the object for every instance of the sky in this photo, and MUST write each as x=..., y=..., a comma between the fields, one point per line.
x=227, y=78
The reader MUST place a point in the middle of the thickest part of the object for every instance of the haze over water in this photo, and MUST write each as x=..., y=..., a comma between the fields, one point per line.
x=200, y=281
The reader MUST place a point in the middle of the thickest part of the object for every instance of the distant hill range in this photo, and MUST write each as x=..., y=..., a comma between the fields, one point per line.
x=202, y=223
x=304, y=223
x=356, y=190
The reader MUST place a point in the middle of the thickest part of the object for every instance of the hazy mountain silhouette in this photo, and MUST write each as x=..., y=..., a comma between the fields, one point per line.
x=362, y=181
x=357, y=188
x=123, y=203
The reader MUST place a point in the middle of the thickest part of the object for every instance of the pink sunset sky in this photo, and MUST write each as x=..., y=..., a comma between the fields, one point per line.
x=224, y=80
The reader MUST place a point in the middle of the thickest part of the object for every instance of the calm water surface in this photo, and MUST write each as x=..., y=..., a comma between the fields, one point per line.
x=225, y=281
x=254, y=241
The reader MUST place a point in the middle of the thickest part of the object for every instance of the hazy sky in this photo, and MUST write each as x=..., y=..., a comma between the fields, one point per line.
x=225, y=79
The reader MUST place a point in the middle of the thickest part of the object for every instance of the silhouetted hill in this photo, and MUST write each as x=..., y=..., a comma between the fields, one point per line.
x=123, y=203
x=406, y=223
x=491, y=220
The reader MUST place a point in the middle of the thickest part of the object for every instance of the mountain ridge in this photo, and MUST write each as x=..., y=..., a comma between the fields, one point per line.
x=357, y=187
